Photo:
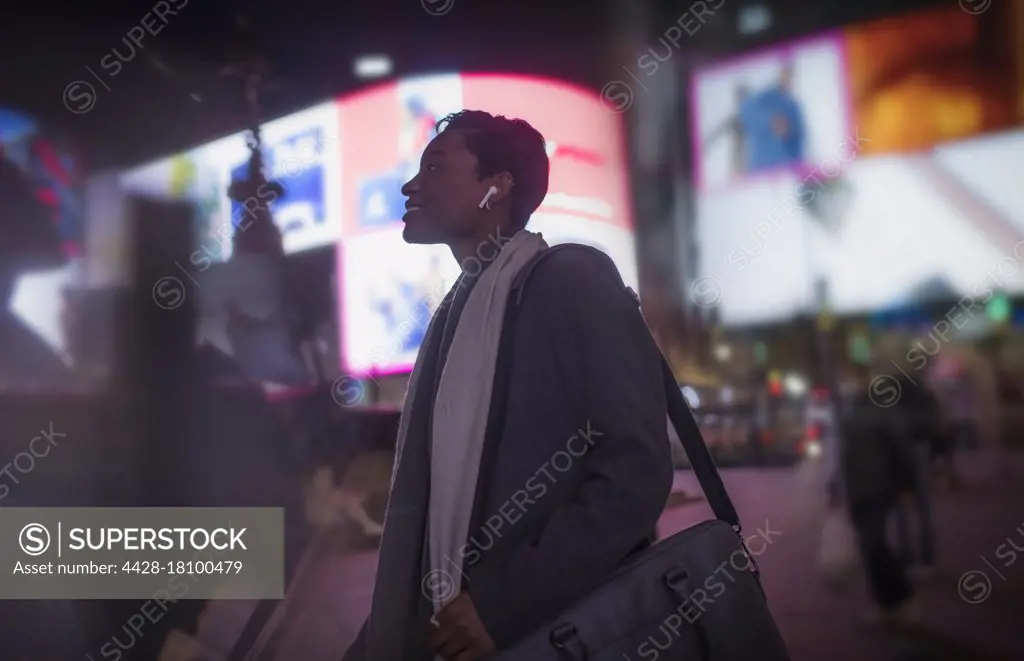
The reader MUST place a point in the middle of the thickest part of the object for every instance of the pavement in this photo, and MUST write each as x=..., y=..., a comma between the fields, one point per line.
x=969, y=611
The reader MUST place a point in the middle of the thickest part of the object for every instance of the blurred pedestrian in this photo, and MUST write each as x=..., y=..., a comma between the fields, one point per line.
x=878, y=470
x=961, y=414
x=942, y=444
x=928, y=436
x=822, y=417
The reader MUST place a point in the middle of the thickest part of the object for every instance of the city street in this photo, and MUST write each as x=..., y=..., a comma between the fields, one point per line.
x=786, y=506
x=820, y=625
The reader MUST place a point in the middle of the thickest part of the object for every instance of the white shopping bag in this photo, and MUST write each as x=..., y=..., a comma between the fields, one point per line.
x=839, y=561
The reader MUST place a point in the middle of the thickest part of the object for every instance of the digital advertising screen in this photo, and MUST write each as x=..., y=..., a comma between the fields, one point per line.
x=300, y=152
x=389, y=289
x=863, y=169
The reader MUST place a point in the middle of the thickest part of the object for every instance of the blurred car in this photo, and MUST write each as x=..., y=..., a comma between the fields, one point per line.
x=740, y=434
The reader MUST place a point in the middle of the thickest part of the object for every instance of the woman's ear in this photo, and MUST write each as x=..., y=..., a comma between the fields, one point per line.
x=504, y=183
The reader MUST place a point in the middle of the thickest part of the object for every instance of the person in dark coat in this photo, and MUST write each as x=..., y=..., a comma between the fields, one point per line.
x=929, y=438
x=878, y=466
x=584, y=364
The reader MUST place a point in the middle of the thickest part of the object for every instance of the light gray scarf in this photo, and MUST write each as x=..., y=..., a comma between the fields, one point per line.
x=459, y=424
x=461, y=409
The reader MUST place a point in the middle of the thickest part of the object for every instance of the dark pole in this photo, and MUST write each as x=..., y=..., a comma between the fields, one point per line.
x=160, y=345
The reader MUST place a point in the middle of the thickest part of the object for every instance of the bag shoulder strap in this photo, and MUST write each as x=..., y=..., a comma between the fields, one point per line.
x=679, y=412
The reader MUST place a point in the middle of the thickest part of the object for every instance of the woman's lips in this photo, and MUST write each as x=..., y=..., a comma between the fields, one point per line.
x=411, y=209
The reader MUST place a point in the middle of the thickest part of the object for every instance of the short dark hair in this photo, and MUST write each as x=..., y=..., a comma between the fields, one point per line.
x=508, y=145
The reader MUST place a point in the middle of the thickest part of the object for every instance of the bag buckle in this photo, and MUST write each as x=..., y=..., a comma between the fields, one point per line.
x=565, y=639
x=562, y=634
x=675, y=578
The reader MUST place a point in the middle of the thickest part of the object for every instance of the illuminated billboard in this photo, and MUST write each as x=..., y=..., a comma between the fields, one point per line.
x=863, y=169
x=300, y=152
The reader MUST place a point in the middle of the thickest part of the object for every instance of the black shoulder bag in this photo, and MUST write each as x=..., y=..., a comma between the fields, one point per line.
x=693, y=596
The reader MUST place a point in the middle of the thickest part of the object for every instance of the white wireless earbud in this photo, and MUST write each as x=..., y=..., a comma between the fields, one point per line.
x=493, y=190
